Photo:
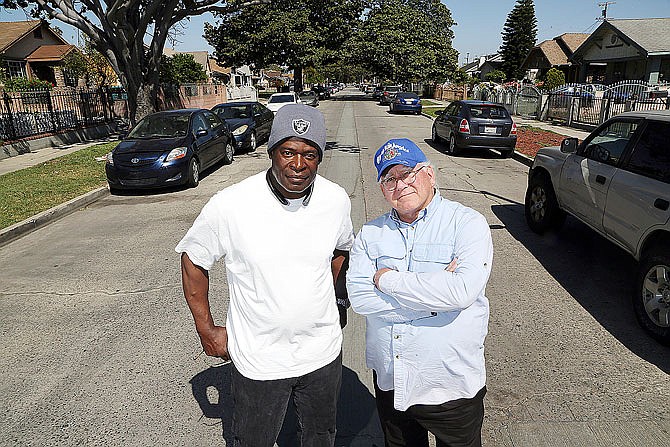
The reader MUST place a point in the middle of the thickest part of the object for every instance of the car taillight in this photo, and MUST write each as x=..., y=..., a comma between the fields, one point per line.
x=464, y=127
x=513, y=131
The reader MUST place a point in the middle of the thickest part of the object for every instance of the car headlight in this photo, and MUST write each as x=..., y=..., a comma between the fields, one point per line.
x=110, y=158
x=240, y=130
x=176, y=153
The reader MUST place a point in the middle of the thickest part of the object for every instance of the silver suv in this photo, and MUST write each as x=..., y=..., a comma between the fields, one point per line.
x=617, y=181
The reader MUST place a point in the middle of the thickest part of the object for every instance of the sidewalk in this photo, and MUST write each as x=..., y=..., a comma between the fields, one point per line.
x=37, y=156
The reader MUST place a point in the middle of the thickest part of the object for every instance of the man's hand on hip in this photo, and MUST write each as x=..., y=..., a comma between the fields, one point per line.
x=379, y=274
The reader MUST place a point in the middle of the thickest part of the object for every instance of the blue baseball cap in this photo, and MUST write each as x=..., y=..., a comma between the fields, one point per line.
x=398, y=151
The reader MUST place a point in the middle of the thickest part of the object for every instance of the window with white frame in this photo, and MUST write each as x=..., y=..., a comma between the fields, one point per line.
x=16, y=69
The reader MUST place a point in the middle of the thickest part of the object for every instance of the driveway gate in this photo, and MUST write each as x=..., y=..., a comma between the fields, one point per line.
x=529, y=101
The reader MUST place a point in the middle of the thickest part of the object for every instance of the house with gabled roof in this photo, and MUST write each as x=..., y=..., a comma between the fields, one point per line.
x=626, y=49
x=31, y=49
x=483, y=65
x=554, y=53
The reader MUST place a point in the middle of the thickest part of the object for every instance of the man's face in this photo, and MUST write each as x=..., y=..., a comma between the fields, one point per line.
x=294, y=165
x=409, y=200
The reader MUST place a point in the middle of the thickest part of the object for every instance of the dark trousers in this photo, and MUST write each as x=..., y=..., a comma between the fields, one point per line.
x=457, y=423
x=259, y=407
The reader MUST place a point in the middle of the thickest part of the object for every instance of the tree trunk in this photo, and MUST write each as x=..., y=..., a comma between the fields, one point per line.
x=297, y=79
x=146, y=101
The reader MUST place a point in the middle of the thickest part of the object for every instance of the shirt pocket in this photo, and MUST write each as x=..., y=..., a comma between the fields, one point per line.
x=387, y=256
x=432, y=257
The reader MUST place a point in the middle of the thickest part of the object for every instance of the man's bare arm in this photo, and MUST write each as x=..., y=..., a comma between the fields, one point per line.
x=195, y=281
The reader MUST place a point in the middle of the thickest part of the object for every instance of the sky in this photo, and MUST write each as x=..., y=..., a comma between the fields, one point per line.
x=479, y=22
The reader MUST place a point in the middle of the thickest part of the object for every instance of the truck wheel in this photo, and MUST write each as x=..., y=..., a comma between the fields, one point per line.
x=652, y=297
x=541, y=208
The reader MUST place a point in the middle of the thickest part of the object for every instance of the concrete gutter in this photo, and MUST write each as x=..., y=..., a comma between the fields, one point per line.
x=17, y=230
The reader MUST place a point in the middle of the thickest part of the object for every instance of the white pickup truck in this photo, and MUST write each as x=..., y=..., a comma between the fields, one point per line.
x=617, y=181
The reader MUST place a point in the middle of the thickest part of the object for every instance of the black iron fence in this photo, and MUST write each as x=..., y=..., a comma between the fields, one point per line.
x=30, y=113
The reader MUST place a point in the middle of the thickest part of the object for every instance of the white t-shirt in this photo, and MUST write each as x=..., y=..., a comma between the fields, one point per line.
x=282, y=319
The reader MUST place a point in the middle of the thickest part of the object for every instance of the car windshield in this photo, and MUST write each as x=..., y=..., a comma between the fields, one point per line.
x=161, y=125
x=407, y=95
x=393, y=88
x=280, y=98
x=307, y=94
x=488, y=112
x=232, y=112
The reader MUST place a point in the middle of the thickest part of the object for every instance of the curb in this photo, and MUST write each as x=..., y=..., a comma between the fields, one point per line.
x=17, y=230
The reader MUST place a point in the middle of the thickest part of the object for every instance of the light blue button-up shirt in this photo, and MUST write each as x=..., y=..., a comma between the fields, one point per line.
x=425, y=326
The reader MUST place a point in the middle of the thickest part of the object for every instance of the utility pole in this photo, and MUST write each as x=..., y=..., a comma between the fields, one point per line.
x=604, y=6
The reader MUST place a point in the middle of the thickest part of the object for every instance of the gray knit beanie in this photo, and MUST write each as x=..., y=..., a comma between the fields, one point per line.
x=298, y=120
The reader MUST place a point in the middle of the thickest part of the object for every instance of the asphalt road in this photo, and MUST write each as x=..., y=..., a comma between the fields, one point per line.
x=99, y=347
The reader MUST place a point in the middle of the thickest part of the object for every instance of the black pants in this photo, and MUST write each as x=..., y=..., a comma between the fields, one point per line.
x=457, y=423
x=259, y=407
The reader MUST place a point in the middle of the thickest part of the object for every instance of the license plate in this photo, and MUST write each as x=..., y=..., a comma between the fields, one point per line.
x=490, y=129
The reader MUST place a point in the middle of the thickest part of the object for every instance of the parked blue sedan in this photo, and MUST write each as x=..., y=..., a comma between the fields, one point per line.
x=405, y=102
x=249, y=121
x=169, y=148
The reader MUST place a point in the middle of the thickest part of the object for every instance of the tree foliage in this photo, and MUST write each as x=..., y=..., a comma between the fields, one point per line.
x=518, y=37
x=118, y=29
x=554, y=78
x=498, y=76
x=406, y=40
x=292, y=33
x=182, y=68
x=88, y=64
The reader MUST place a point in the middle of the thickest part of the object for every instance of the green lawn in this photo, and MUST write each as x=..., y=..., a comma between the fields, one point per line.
x=30, y=191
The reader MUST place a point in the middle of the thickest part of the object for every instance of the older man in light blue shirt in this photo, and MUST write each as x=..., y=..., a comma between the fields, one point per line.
x=418, y=274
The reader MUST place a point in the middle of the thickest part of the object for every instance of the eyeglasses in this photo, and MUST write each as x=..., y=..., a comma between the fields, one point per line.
x=408, y=177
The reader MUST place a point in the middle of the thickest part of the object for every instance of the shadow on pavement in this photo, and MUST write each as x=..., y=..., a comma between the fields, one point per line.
x=484, y=154
x=595, y=272
x=356, y=409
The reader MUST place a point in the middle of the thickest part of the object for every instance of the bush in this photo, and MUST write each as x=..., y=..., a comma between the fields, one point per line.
x=23, y=84
x=498, y=76
x=554, y=78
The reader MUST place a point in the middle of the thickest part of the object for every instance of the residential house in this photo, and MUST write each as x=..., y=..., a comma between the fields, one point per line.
x=554, y=53
x=237, y=80
x=31, y=49
x=483, y=65
x=626, y=49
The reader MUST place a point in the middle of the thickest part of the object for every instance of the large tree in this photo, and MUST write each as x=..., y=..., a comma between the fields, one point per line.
x=406, y=40
x=131, y=34
x=518, y=37
x=292, y=33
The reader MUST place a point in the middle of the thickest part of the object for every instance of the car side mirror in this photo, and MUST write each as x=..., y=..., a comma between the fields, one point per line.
x=569, y=145
x=123, y=134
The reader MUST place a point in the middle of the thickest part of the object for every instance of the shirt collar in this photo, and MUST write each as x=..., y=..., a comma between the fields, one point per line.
x=278, y=195
x=423, y=214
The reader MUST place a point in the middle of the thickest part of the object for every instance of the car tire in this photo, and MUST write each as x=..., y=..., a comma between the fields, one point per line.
x=228, y=152
x=436, y=138
x=193, y=173
x=453, y=147
x=253, y=143
x=652, y=297
x=541, y=207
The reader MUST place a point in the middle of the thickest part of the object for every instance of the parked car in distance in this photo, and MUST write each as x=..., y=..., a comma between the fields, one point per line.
x=278, y=100
x=471, y=124
x=376, y=91
x=321, y=91
x=406, y=102
x=249, y=122
x=617, y=181
x=387, y=93
x=309, y=97
x=169, y=148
